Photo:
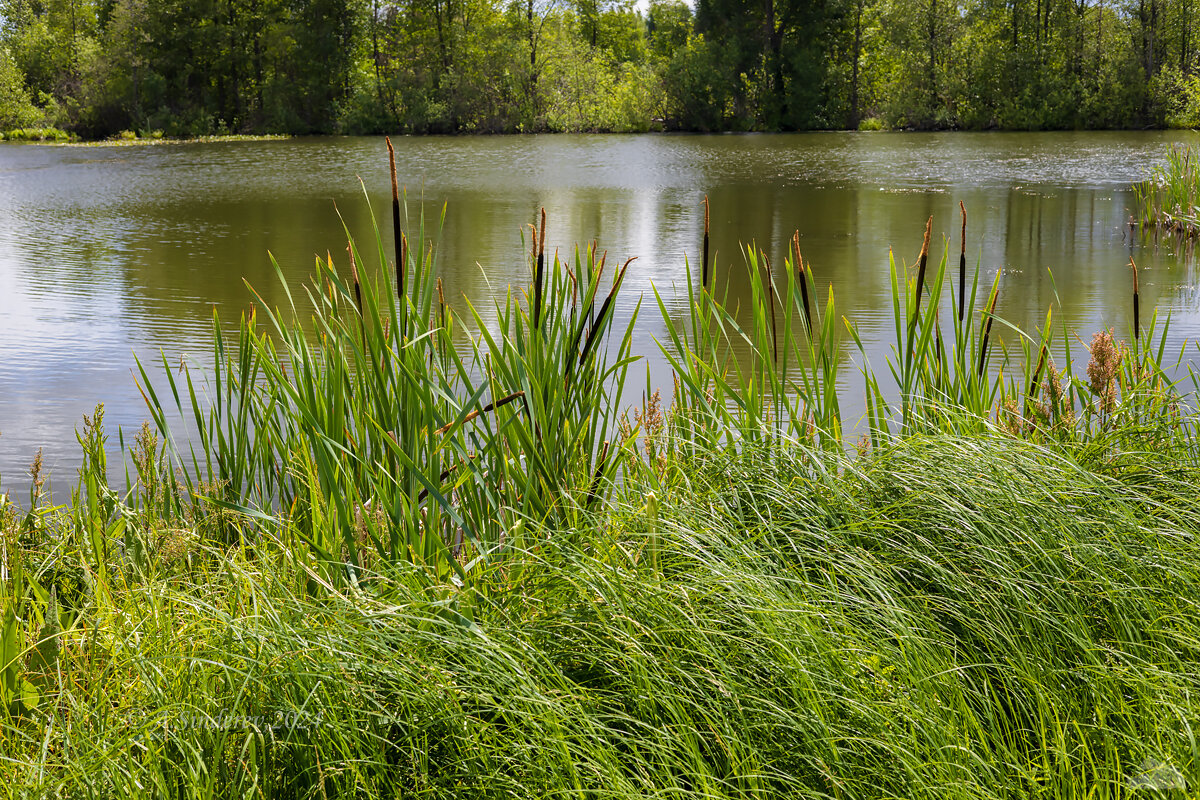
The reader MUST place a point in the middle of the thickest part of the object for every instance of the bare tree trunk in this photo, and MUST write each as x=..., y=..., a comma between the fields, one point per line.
x=1077, y=59
x=1045, y=32
x=1144, y=23
x=1154, y=45
x=774, y=35
x=1037, y=27
x=235, y=55
x=933, y=93
x=74, y=41
x=532, y=35
x=375, y=50
x=1185, y=35
x=533, y=74
x=855, y=114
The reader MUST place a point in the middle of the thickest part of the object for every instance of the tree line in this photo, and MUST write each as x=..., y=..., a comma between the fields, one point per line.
x=194, y=67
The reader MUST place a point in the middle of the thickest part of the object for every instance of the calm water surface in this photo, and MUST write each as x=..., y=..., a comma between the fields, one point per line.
x=108, y=252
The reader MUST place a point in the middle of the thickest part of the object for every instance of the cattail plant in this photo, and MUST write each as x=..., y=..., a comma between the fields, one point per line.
x=989, y=317
x=704, y=275
x=941, y=384
x=1136, y=322
x=748, y=374
x=922, y=262
x=448, y=443
x=539, y=269
x=400, y=241
x=962, y=264
x=798, y=263
x=1031, y=395
x=1169, y=200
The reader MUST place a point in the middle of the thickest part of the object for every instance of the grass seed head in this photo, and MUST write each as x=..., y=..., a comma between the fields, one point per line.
x=37, y=479
x=1103, y=368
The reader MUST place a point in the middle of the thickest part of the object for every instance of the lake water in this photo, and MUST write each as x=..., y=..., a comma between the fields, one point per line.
x=107, y=252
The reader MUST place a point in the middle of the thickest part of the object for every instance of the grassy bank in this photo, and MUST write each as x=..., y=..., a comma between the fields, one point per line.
x=791, y=624
x=388, y=564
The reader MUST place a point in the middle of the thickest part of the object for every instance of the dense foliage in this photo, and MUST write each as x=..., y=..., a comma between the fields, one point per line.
x=99, y=67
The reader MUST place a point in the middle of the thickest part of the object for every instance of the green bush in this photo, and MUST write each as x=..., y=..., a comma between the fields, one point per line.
x=37, y=135
x=1183, y=109
x=16, y=108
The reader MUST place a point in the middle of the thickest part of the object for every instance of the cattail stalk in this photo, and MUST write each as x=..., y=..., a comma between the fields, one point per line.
x=704, y=261
x=962, y=265
x=1136, y=322
x=354, y=275
x=446, y=473
x=912, y=325
x=771, y=303
x=400, y=242
x=1031, y=397
x=501, y=403
x=539, y=274
x=803, y=280
x=595, y=329
x=589, y=314
x=987, y=331
x=599, y=275
x=443, y=320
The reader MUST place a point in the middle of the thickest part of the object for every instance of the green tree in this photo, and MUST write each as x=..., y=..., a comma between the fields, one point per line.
x=51, y=42
x=668, y=25
x=16, y=108
x=780, y=50
x=703, y=88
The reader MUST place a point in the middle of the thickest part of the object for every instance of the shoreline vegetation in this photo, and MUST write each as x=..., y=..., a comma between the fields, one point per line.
x=96, y=68
x=157, y=138
x=1169, y=200
x=1179, y=223
x=407, y=553
x=55, y=136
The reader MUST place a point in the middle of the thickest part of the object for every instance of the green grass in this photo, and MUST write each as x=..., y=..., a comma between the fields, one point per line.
x=1169, y=200
x=35, y=135
x=950, y=617
x=407, y=552
x=156, y=137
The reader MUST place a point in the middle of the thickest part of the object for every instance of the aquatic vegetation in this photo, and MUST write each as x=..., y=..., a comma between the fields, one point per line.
x=779, y=383
x=393, y=549
x=375, y=431
x=157, y=137
x=1169, y=200
x=36, y=135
